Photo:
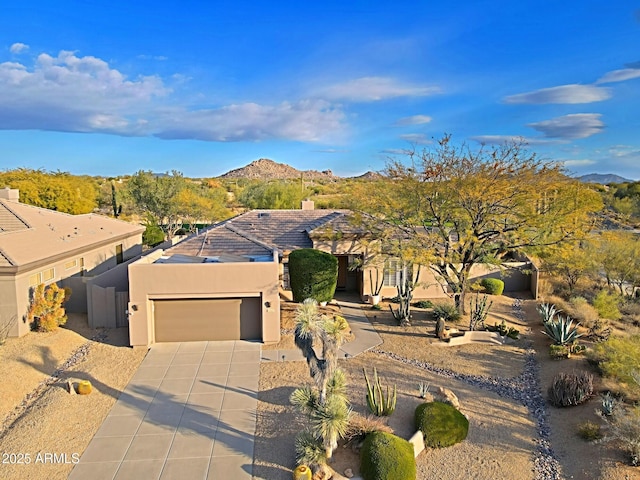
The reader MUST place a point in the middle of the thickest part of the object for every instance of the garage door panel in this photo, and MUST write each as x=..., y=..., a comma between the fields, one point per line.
x=207, y=319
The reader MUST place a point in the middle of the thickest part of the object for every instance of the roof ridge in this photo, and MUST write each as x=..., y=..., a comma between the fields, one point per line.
x=10, y=210
x=250, y=237
x=7, y=257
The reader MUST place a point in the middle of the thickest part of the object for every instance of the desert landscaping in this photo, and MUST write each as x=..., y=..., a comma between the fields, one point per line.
x=513, y=433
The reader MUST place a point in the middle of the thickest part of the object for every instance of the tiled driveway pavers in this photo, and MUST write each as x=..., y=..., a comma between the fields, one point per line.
x=189, y=412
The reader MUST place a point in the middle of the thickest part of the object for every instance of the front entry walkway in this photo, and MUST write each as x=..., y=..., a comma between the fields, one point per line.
x=189, y=412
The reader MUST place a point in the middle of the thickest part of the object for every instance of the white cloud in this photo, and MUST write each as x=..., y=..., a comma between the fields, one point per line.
x=578, y=163
x=71, y=93
x=332, y=150
x=564, y=94
x=396, y=151
x=18, y=48
x=577, y=125
x=413, y=120
x=517, y=139
x=619, y=75
x=304, y=121
x=369, y=89
x=417, y=138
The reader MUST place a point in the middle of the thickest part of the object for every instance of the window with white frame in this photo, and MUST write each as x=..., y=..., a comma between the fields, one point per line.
x=393, y=273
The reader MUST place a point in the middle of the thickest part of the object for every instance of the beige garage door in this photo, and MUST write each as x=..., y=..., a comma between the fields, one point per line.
x=188, y=320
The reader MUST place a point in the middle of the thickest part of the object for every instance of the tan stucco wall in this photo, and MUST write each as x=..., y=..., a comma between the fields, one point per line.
x=15, y=290
x=149, y=281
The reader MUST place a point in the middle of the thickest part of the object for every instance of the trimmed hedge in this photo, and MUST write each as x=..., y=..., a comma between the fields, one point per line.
x=312, y=274
x=385, y=456
x=441, y=424
x=493, y=286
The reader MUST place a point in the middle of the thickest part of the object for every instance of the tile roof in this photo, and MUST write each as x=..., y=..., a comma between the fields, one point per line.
x=30, y=234
x=9, y=220
x=258, y=232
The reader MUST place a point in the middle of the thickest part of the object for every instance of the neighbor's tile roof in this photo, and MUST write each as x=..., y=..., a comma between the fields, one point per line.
x=30, y=234
x=259, y=232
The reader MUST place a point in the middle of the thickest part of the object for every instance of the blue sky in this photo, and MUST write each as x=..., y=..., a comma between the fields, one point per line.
x=109, y=88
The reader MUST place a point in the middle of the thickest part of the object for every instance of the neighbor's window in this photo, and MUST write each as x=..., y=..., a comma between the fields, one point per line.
x=48, y=275
x=71, y=264
x=42, y=277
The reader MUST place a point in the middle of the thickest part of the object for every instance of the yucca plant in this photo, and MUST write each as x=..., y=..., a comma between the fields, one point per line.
x=548, y=312
x=562, y=331
x=379, y=403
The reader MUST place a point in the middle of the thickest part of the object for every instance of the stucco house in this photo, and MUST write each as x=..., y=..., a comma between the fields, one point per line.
x=44, y=246
x=225, y=282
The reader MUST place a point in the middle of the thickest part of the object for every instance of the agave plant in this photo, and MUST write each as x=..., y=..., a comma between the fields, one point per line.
x=548, y=312
x=562, y=331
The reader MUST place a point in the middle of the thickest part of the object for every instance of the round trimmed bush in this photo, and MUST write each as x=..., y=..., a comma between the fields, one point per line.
x=493, y=286
x=312, y=274
x=441, y=424
x=385, y=456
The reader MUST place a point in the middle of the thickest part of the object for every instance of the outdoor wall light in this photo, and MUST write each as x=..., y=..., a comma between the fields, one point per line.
x=134, y=308
x=267, y=304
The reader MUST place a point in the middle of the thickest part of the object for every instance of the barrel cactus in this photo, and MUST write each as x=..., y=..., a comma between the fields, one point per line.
x=302, y=472
x=84, y=387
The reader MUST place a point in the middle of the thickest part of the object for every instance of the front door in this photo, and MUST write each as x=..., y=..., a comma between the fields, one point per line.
x=343, y=272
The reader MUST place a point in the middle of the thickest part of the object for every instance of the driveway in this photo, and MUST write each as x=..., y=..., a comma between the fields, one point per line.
x=189, y=412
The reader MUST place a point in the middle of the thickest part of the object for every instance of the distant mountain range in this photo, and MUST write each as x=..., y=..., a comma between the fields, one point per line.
x=267, y=169
x=603, y=178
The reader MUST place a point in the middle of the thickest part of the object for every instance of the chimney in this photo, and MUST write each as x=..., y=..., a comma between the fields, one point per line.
x=307, y=205
x=9, y=194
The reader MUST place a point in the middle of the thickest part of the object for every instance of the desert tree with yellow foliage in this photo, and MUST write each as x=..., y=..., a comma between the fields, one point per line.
x=458, y=207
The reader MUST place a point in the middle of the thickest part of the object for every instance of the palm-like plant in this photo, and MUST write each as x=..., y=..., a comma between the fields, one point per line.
x=562, y=331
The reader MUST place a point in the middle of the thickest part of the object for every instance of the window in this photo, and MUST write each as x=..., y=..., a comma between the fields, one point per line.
x=75, y=263
x=42, y=277
x=286, y=285
x=71, y=264
x=393, y=273
x=119, y=254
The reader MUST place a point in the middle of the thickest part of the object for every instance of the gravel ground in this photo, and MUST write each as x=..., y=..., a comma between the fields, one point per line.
x=513, y=433
x=61, y=424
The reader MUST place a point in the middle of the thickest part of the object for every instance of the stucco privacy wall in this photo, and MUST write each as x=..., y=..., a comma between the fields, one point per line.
x=16, y=291
x=150, y=281
x=515, y=275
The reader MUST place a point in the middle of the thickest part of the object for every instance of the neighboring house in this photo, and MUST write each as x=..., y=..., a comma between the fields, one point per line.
x=44, y=246
x=224, y=283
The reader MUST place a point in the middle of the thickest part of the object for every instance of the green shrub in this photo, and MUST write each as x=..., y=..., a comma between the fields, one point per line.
x=589, y=431
x=446, y=311
x=606, y=304
x=423, y=304
x=152, y=235
x=312, y=274
x=441, y=424
x=569, y=389
x=619, y=358
x=385, y=456
x=493, y=286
